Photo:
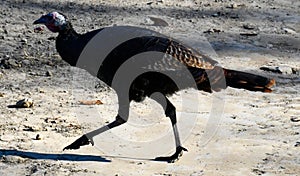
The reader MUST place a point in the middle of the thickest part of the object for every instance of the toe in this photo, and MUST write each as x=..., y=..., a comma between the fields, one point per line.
x=175, y=157
x=83, y=140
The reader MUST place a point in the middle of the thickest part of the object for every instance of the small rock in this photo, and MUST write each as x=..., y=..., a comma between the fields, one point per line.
x=25, y=103
x=297, y=144
x=158, y=21
x=49, y=74
x=90, y=102
x=289, y=31
x=9, y=63
x=197, y=173
x=38, y=137
x=233, y=116
x=249, y=26
x=278, y=69
x=6, y=56
x=270, y=68
x=211, y=30
x=31, y=128
x=234, y=6
x=24, y=41
x=28, y=93
x=26, y=62
x=285, y=69
x=296, y=71
x=13, y=63
x=32, y=73
x=295, y=119
x=258, y=171
x=1, y=94
x=41, y=90
x=149, y=3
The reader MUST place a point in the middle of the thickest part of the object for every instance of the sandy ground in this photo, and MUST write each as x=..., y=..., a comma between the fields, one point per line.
x=254, y=134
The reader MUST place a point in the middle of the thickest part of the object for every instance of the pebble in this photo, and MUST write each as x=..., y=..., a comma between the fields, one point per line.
x=26, y=62
x=296, y=71
x=25, y=103
x=212, y=30
x=38, y=137
x=258, y=171
x=234, y=6
x=10, y=63
x=24, y=40
x=278, y=69
x=249, y=26
x=201, y=172
x=295, y=119
x=31, y=128
x=158, y=21
x=41, y=90
x=28, y=93
x=149, y=3
x=289, y=31
x=249, y=34
x=49, y=74
x=285, y=69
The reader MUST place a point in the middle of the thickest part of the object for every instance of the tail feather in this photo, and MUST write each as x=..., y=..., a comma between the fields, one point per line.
x=238, y=79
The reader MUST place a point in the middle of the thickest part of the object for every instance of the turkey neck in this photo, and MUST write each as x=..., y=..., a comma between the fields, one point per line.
x=68, y=31
x=68, y=44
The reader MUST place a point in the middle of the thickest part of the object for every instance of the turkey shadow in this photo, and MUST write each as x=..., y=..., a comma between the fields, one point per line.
x=48, y=156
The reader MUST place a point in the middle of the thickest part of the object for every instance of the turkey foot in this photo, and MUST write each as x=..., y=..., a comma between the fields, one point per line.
x=83, y=140
x=173, y=158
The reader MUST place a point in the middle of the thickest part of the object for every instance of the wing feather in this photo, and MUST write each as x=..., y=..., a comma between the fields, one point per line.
x=190, y=57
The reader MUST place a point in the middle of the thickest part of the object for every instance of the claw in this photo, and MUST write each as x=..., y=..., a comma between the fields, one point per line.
x=173, y=158
x=83, y=140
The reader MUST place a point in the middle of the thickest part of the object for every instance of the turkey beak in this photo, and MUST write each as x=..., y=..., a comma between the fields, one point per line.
x=41, y=20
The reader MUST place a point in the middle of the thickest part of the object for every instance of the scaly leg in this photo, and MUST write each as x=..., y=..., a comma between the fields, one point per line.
x=87, y=138
x=170, y=112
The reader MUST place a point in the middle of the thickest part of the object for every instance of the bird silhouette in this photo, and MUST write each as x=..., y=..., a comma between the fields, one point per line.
x=175, y=61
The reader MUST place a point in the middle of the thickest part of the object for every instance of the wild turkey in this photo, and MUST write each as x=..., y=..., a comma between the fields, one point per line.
x=206, y=74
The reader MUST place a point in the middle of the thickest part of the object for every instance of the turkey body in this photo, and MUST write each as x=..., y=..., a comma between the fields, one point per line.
x=175, y=57
x=167, y=66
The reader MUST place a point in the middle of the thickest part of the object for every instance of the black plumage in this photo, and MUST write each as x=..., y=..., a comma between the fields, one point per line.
x=204, y=71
